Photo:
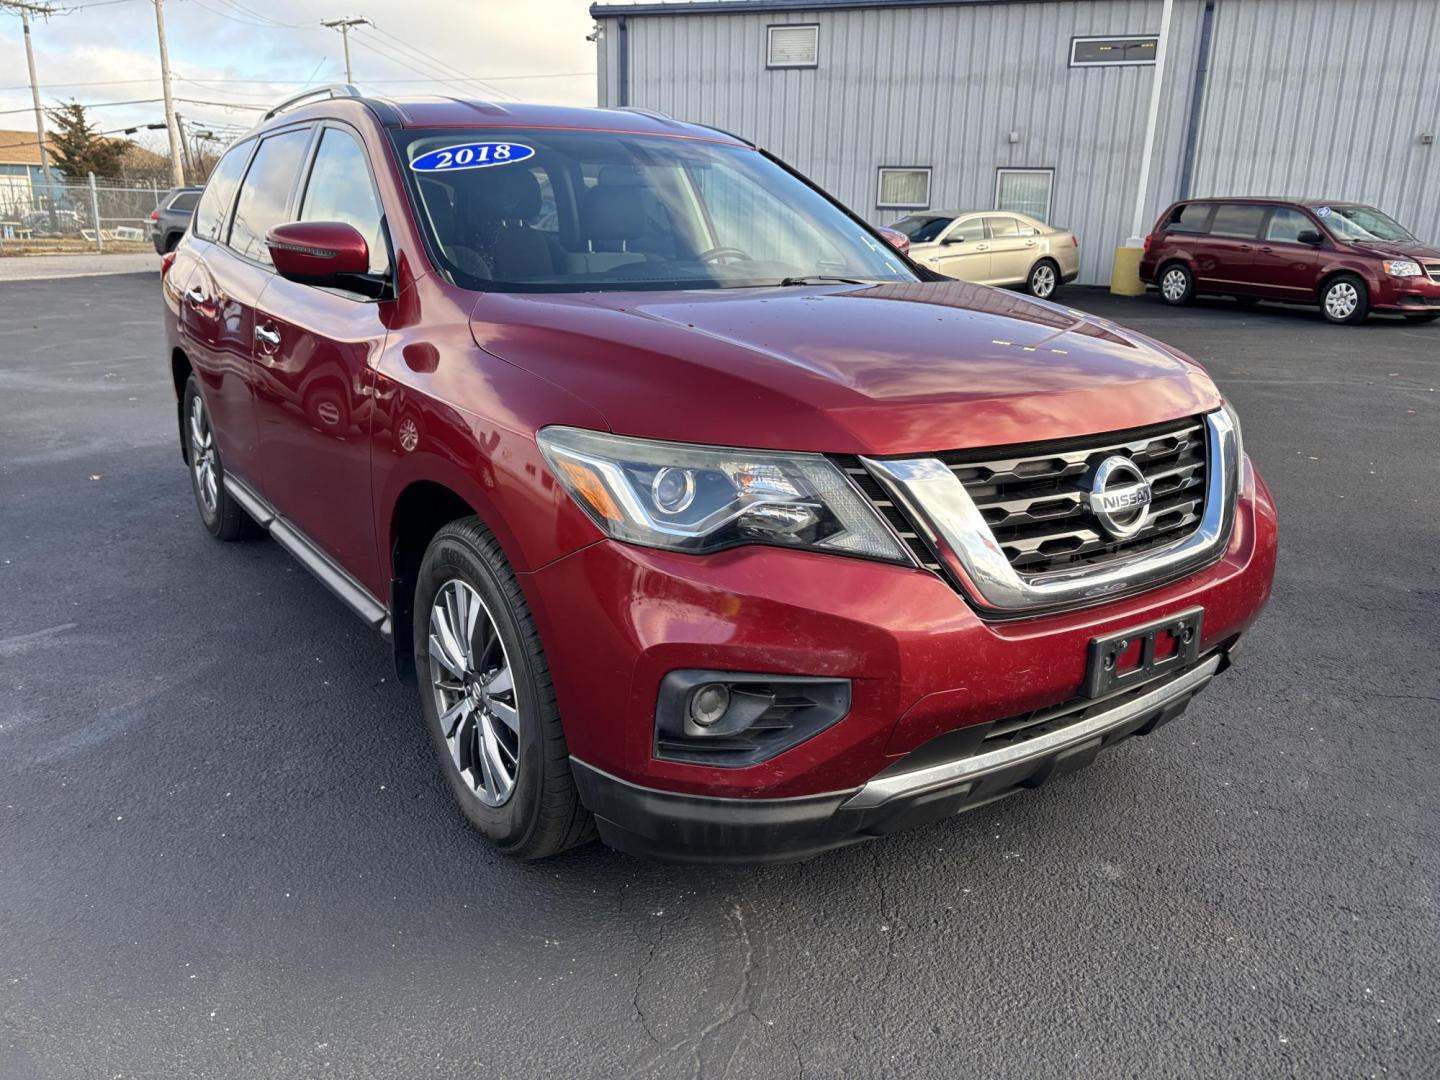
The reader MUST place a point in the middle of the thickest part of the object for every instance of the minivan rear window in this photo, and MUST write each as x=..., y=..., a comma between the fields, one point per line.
x=1191, y=218
x=1237, y=219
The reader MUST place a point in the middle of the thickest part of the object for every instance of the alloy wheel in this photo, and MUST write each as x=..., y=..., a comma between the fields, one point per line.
x=1173, y=285
x=1042, y=281
x=203, y=461
x=1341, y=300
x=475, y=694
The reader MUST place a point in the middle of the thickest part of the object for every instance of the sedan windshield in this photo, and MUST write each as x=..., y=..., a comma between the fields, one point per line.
x=1361, y=223
x=922, y=228
x=577, y=211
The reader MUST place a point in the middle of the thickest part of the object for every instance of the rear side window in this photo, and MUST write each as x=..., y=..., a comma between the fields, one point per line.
x=1286, y=225
x=1237, y=219
x=1190, y=218
x=341, y=189
x=220, y=191
x=265, y=194
x=1001, y=227
x=186, y=200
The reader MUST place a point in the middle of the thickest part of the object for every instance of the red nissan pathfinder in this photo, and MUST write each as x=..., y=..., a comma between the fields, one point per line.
x=1347, y=258
x=700, y=516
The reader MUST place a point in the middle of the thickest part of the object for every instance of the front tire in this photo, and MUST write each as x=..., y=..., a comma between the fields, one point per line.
x=1345, y=300
x=1043, y=280
x=488, y=700
x=221, y=515
x=1177, y=284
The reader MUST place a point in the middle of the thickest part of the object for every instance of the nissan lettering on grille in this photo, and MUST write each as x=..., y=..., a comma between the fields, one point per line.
x=1119, y=496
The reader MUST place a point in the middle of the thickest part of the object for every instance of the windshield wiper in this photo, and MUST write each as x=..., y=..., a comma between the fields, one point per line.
x=824, y=279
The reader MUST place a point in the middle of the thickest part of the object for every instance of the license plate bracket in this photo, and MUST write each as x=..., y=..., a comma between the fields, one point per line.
x=1142, y=653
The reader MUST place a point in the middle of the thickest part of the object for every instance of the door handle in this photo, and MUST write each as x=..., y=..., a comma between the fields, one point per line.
x=268, y=335
x=1267, y=249
x=195, y=295
x=1246, y=247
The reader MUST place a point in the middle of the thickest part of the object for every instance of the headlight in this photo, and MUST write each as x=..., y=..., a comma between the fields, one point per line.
x=1401, y=267
x=699, y=498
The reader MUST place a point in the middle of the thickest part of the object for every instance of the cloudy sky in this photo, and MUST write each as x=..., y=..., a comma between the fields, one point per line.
x=248, y=53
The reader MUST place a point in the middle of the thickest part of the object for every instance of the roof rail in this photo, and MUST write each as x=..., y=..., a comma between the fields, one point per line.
x=333, y=90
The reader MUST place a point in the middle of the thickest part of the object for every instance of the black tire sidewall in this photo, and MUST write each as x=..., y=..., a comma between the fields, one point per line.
x=451, y=556
x=1362, y=309
x=1030, y=279
x=1189, y=292
x=212, y=522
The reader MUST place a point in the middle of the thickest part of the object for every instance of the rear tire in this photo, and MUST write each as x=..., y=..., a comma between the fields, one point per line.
x=221, y=515
x=1043, y=280
x=1345, y=300
x=501, y=744
x=1177, y=284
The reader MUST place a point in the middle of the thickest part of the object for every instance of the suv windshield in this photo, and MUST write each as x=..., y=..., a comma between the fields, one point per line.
x=1361, y=223
x=577, y=211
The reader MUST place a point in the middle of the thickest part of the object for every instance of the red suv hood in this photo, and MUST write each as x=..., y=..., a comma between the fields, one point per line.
x=885, y=369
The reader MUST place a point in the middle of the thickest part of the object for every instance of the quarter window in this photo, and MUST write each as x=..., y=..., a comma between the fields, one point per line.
x=1025, y=191
x=265, y=194
x=1286, y=225
x=220, y=192
x=340, y=189
x=1190, y=218
x=904, y=189
x=793, y=47
x=1237, y=219
x=1113, y=51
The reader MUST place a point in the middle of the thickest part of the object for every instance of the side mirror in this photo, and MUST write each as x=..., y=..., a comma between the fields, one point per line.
x=895, y=238
x=953, y=238
x=318, y=252
x=1309, y=236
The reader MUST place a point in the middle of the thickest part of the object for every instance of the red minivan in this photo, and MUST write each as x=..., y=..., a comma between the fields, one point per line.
x=1347, y=258
x=700, y=516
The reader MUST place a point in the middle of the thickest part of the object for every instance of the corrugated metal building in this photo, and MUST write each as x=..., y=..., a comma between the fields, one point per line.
x=1042, y=104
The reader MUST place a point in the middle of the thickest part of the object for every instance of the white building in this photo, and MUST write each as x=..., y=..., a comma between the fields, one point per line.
x=1041, y=105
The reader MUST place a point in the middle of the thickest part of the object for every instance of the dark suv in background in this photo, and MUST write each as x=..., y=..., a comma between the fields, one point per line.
x=1347, y=258
x=171, y=218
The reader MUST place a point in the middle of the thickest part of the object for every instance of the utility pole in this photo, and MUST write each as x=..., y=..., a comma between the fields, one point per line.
x=344, y=25
x=25, y=10
x=172, y=126
x=185, y=146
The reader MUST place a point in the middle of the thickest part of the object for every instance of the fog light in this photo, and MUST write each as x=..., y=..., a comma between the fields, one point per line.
x=708, y=704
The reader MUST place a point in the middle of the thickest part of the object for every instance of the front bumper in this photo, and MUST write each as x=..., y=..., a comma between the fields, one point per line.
x=921, y=662
x=1408, y=295
x=918, y=790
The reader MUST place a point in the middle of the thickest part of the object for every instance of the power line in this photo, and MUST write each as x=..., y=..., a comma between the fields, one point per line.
x=443, y=65
x=151, y=101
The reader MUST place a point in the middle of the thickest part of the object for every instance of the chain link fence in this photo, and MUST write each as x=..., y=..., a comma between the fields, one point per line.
x=77, y=216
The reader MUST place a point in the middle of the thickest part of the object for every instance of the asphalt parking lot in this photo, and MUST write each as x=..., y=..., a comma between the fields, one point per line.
x=225, y=851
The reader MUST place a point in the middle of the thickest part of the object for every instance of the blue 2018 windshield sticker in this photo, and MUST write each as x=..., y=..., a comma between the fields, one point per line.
x=479, y=155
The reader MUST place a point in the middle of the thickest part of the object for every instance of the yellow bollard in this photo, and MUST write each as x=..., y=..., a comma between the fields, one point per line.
x=1125, y=277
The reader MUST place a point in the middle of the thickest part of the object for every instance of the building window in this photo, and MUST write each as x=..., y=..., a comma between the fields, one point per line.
x=1113, y=51
x=904, y=189
x=792, y=46
x=1025, y=191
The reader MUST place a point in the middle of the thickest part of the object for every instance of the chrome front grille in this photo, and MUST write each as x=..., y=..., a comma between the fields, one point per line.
x=1433, y=269
x=1033, y=498
x=1019, y=528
